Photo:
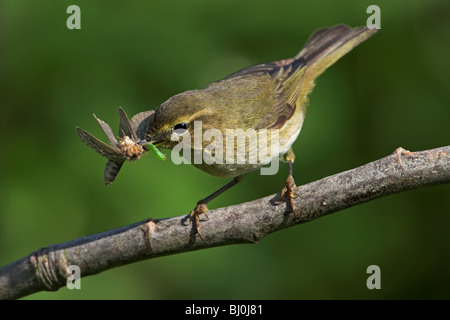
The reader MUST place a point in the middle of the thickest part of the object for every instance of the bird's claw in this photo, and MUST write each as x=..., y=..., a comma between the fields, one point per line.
x=200, y=208
x=288, y=191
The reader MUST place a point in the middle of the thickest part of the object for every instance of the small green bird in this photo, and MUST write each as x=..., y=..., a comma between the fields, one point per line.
x=263, y=104
x=267, y=96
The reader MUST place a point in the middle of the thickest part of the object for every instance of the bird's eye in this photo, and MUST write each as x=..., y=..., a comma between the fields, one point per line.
x=180, y=127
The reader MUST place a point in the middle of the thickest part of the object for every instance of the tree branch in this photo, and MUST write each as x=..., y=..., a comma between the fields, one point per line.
x=46, y=268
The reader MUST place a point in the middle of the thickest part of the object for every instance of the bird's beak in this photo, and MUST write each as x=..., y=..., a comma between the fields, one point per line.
x=149, y=140
x=144, y=142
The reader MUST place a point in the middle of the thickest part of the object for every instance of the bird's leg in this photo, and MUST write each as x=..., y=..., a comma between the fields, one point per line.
x=202, y=207
x=288, y=190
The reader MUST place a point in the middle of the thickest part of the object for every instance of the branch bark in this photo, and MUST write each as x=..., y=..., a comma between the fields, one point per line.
x=47, y=268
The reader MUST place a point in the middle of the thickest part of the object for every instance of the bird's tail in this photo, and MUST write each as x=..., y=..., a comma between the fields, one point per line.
x=322, y=49
x=328, y=45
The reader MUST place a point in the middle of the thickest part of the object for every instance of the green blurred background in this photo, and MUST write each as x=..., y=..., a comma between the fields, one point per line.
x=391, y=91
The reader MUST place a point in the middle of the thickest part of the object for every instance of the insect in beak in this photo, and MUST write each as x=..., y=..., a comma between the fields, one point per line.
x=131, y=145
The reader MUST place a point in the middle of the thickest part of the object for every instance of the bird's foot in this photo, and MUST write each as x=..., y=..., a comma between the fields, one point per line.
x=199, y=209
x=288, y=191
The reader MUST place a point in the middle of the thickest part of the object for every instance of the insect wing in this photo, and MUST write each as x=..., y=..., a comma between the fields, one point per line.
x=111, y=170
x=125, y=125
x=141, y=122
x=105, y=150
x=107, y=130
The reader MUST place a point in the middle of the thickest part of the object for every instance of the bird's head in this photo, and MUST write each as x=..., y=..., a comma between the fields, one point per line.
x=174, y=119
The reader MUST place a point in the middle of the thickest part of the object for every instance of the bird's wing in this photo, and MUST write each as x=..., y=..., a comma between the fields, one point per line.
x=286, y=78
x=293, y=79
x=289, y=81
x=258, y=69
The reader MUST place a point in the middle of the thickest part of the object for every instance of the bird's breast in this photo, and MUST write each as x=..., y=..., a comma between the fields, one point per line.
x=233, y=152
